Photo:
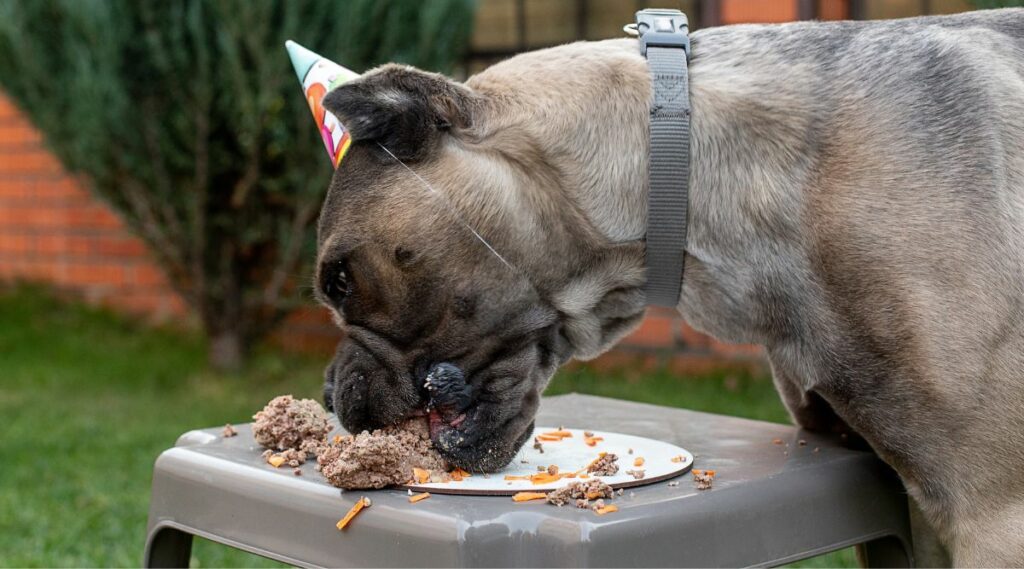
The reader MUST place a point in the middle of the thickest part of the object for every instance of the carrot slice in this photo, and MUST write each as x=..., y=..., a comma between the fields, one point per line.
x=511, y=477
x=584, y=476
x=559, y=434
x=420, y=475
x=544, y=478
x=356, y=508
x=460, y=473
x=549, y=438
x=418, y=497
x=276, y=460
x=527, y=496
x=606, y=510
x=638, y=461
x=591, y=441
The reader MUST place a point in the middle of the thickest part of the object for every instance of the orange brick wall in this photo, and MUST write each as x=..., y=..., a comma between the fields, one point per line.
x=52, y=230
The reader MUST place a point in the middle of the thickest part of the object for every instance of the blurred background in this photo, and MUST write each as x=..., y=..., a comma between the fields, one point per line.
x=160, y=180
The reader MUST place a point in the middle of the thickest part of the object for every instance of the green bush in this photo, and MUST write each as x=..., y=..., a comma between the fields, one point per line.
x=186, y=117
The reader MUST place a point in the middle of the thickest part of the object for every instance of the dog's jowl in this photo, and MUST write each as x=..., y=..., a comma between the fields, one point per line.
x=856, y=206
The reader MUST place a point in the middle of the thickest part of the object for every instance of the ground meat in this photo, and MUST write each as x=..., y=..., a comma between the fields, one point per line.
x=588, y=490
x=288, y=423
x=607, y=465
x=381, y=458
x=597, y=505
x=638, y=474
x=229, y=431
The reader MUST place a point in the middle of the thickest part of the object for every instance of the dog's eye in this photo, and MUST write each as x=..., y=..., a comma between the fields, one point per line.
x=334, y=281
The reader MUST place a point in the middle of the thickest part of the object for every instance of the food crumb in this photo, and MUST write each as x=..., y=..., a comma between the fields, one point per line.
x=552, y=470
x=638, y=461
x=297, y=472
x=637, y=474
x=588, y=434
x=607, y=509
x=816, y=449
x=776, y=441
x=276, y=460
x=527, y=496
x=702, y=479
x=630, y=451
x=673, y=483
x=605, y=465
x=419, y=497
x=229, y=431
x=524, y=461
x=589, y=490
x=678, y=458
x=621, y=492
x=541, y=468
x=801, y=442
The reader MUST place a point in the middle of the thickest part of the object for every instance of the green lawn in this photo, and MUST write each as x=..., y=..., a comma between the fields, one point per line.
x=89, y=399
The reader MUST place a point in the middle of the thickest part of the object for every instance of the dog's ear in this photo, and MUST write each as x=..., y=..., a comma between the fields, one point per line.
x=402, y=108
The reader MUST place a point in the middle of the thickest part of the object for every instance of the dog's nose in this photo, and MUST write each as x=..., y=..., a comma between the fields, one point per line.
x=447, y=390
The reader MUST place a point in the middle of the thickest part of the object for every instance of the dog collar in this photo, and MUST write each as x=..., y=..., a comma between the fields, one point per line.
x=665, y=42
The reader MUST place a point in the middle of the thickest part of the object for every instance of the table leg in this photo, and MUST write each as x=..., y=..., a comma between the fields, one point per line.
x=169, y=547
x=888, y=551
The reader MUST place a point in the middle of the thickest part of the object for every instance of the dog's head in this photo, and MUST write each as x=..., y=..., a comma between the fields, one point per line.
x=437, y=322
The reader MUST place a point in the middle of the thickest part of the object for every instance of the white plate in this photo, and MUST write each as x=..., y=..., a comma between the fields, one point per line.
x=572, y=454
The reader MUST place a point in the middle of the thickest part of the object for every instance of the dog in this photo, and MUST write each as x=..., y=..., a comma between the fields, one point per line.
x=856, y=207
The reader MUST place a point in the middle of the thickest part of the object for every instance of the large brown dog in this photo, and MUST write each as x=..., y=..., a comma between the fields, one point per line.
x=856, y=206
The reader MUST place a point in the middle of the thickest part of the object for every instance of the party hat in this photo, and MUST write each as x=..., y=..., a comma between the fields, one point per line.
x=319, y=75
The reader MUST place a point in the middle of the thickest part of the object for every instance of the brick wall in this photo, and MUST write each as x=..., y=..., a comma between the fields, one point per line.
x=52, y=230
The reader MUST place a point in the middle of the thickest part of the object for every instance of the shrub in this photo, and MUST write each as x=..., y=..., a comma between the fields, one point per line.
x=186, y=117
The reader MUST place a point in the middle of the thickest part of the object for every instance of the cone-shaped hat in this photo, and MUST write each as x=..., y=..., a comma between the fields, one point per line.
x=319, y=75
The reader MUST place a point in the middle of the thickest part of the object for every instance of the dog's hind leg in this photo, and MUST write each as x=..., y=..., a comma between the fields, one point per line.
x=807, y=408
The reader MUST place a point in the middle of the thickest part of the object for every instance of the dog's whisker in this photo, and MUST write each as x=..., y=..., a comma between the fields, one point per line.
x=454, y=212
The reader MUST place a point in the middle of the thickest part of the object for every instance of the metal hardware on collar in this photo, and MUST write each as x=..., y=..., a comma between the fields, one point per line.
x=664, y=40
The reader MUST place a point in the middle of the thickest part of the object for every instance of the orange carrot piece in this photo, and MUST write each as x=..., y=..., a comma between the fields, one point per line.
x=591, y=441
x=418, y=497
x=511, y=477
x=460, y=472
x=356, y=508
x=276, y=460
x=638, y=461
x=606, y=510
x=559, y=434
x=677, y=458
x=544, y=478
x=549, y=438
x=527, y=496
x=420, y=475
x=584, y=476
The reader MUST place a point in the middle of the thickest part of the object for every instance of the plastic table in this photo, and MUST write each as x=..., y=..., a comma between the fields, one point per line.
x=771, y=504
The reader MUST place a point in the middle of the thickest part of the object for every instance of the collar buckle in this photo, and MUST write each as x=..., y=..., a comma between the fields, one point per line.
x=661, y=28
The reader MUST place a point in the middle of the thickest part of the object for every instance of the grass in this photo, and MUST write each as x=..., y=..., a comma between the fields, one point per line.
x=89, y=399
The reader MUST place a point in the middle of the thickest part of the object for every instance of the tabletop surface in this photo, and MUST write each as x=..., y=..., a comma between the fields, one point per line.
x=766, y=473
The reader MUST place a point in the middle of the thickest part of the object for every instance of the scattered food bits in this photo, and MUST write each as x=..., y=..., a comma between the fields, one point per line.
x=776, y=441
x=801, y=442
x=356, y=508
x=560, y=433
x=702, y=479
x=592, y=441
x=606, y=510
x=579, y=491
x=606, y=464
x=229, y=431
x=637, y=474
x=276, y=460
x=420, y=475
x=336, y=440
x=552, y=470
x=677, y=458
x=419, y=497
x=541, y=469
x=527, y=496
x=588, y=434
x=816, y=449
x=673, y=483
x=630, y=451
x=549, y=438
x=463, y=473
x=620, y=492
x=638, y=461
x=537, y=446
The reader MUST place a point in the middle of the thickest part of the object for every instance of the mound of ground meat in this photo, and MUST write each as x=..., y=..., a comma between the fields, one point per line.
x=380, y=458
x=289, y=423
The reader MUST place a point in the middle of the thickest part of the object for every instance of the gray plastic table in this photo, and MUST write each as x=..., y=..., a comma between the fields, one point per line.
x=770, y=504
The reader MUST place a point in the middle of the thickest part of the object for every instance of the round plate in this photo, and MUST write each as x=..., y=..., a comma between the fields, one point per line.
x=571, y=454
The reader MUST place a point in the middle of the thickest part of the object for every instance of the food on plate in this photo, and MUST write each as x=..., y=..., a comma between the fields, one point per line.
x=702, y=479
x=383, y=457
x=606, y=464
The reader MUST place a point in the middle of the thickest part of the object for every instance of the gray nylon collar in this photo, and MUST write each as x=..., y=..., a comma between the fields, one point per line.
x=665, y=42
